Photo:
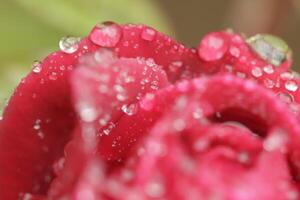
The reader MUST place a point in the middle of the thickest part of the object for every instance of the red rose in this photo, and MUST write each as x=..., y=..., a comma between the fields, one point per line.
x=128, y=113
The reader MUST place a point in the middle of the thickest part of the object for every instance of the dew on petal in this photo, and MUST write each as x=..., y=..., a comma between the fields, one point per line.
x=240, y=74
x=26, y=196
x=275, y=141
x=87, y=114
x=291, y=85
x=234, y=51
x=200, y=145
x=109, y=128
x=155, y=189
x=269, y=83
x=179, y=124
x=243, y=157
x=53, y=76
x=130, y=109
x=287, y=75
x=105, y=57
x=213, y=47
x=268, y=69
x=256, y=72
x=85, y=192
x=175, y=65
x=285, y=97
x=69, y=44
x=270, y=48
x=198, y=113
x=292, y=195
x=148, y=34
x=147, y=102
x=37, y=124
x=107, y=34
x=36, y=66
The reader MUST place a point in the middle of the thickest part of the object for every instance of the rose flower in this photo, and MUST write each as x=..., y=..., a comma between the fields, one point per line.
x=127, y=113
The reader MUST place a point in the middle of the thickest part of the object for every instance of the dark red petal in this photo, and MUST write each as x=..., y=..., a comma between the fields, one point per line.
x=42, y=101
x=221, y=169
x=106, y=88
x=36, y=124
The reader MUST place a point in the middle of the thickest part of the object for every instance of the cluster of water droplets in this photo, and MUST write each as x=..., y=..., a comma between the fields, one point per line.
x=37, y=127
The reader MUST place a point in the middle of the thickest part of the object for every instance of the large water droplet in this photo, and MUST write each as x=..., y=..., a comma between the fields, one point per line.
x=212, y=47
x=69, y=44
x=270, y=48
x=107, y=34
x=291, y=85
x=36, y=66
x=148, y=34
x=130, y=109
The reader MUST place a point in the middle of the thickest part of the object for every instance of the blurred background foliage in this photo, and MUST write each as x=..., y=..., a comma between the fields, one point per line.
x=31, y=29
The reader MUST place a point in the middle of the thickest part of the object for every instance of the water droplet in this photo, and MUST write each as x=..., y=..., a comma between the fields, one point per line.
x=147, y=102
x=256, y=72
x=291, y=85
x=200, y=145
x=292, y=195
x=175, y=66
x=105, y=57
x=179, y=124
x=275, y=141
x=243, y=157
x=148, y=34
x=213, y=47
x=107, y=34
x=85, y=192
x=87, y=114
x=58, y=166
x=26, y=196
x=130, y=109
x=37, y=124
x=36, y=66
x=69, y=44
x=155, y=189
x=270, y=48
x=269, y=69
x=234, y=51
x=109, y=128
x=269, y=83
x=240, y=74
x=198, y=113
x=53, y=76
x=287, y=75
x=285, y=97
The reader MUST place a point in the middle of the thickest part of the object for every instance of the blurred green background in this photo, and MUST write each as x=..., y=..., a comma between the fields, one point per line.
x=31, y=29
